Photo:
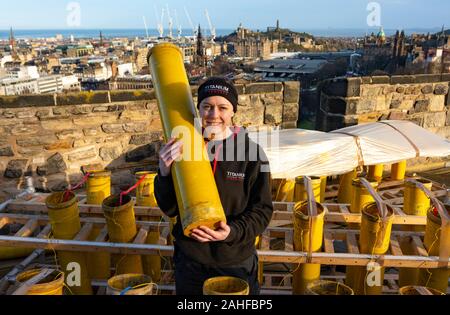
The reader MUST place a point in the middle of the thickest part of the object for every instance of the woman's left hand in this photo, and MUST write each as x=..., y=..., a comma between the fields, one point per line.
x=203, y=234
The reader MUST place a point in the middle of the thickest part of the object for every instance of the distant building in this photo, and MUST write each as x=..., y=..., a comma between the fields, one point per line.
x=139, y=82
x=256, y=48
x=294, y=69
x=125, y=69
x=188, y=51
x=23, y=72
x=5, y=59
x=74, y=51
x=141, y=58
x=70, y=83
x=96, y=71
x=12, y=86
x=50, y=84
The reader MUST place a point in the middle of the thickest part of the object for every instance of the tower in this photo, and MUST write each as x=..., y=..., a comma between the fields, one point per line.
x=200, y=49
x=395, y=52
x=101, y=39
x=402, y=45
x=12, y=41
x=381, y=37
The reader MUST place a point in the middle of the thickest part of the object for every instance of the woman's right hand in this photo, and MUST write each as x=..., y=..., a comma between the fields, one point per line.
x=168, y=154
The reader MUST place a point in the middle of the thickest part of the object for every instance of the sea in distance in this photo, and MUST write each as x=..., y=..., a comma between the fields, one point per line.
x=141, y=33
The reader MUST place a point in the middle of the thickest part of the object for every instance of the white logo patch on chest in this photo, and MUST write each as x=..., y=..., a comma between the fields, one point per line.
x=235, y=176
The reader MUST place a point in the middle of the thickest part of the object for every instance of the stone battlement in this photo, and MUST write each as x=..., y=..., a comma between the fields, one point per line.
x=50, y=137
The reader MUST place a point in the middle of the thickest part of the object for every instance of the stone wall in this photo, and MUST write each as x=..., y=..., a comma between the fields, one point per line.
x=50, y=137
x=422, y=99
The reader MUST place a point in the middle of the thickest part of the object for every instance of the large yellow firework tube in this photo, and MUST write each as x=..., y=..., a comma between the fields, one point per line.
x=121, y=224
x=434, y=244
x=375, y=236
x=65, y=220
x=145, y=197
x=98, y=189
x=308, y=237
x=197, y=195
x=345, y=187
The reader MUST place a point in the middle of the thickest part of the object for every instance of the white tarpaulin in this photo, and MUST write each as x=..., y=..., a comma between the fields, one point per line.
x=297, y=152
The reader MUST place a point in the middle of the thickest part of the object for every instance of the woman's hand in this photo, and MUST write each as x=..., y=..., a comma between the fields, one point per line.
x=205, y=235
x=168, y=154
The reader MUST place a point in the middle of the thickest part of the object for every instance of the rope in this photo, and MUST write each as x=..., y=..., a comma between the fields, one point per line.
x=405, y=136
x=124, y=193
x=358, y=145
x=70, y=190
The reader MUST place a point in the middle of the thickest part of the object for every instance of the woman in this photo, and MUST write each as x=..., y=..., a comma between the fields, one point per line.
x=243, y=181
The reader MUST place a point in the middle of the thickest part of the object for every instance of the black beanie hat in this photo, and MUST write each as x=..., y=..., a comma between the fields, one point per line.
x=218, y=87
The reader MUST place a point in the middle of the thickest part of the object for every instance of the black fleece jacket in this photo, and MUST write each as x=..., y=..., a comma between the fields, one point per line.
x=243, y=182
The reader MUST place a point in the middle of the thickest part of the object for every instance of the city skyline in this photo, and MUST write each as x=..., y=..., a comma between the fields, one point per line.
x=321, y=14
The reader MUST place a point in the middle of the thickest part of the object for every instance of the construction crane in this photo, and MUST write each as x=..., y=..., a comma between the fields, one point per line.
x=160, y=26
x=170, y=22
x=179, y=29
x=211, y=28
x=145, y=25
x=194, y=30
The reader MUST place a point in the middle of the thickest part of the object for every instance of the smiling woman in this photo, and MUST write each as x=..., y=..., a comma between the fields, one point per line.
x=245, y=194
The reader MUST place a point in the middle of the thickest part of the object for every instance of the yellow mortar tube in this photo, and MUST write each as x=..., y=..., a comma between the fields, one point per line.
x=98, y=187
x=65, y=221
x=145, y=197
x=375, y=172
x=225, y=286
x=140, y=285
x=300, y=193
x=408, y=276
x=286, y=191
x=398, y=171
x=7, y=253
x=145, y=194
x=345, y=193
x=416, y=203
x=99, y=263
x=361, y=196
x=121, y=224
x=375, y=237
x=323, y=188
x=434, y=278
x=308, y=236
x=195, y=186
x=260, y=264
x=52, y=285
x=322, y=287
